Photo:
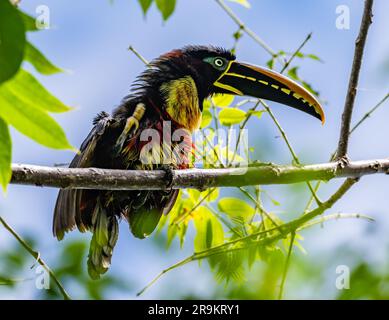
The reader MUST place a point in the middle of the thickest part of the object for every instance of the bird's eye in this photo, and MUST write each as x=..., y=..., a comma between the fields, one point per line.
x=218, y=62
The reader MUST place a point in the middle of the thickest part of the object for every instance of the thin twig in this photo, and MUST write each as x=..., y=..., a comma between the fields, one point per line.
x=141, y=58
x=198, y=204
x=335, y=216
x=248, y=195
x=245, y=29
x=286, y=65
x=353, y=82
x=242, y=126
x=369, y=113
x=286, y=267
x=36, y=256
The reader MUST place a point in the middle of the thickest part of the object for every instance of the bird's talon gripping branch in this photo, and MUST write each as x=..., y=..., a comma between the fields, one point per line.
x=132, y=125
x=169, y=175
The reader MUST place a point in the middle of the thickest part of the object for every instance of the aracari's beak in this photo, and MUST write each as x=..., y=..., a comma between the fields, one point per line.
x=244, y=79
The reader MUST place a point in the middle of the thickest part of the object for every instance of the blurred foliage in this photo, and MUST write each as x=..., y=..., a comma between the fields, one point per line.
x=167, y=7
x=17, y=268
x=366, y=282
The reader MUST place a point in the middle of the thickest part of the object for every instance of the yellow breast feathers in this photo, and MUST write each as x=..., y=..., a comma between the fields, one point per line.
x=182, y=102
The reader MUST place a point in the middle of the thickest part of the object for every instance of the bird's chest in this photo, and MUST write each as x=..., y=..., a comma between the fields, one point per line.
x=157, y=143
x=182, y=102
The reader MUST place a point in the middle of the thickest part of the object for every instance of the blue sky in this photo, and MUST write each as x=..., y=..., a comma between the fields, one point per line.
x=90, y=39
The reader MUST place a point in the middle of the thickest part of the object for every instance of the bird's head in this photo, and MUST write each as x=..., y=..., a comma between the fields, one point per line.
x=215, y=70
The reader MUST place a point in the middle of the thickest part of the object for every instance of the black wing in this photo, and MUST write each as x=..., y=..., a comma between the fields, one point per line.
x=72, y=203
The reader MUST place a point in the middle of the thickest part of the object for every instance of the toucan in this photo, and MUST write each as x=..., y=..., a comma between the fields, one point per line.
x=172, y=89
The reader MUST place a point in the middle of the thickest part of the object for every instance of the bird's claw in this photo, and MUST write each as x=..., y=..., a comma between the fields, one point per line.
x=132, y=124
x=119, y=143
x=169, y=174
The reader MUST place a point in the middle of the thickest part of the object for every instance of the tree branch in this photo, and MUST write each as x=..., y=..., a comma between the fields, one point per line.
x=36, y=256
x=245, y=29
x=353, y=82
x=262, y=173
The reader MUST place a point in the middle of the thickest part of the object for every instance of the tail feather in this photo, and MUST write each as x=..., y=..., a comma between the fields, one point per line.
x=68, y=213
x=105, y=235
x=64, y=217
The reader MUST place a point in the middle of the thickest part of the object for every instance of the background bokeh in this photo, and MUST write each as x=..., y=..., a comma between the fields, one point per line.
x=90, y=40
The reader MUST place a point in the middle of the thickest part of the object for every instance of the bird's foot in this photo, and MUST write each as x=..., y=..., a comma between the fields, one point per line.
x=169, y=174
x=132, y=125
x=117, y=148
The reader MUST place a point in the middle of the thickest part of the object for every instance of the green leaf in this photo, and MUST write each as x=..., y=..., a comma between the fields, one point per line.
x=209, y=230
x=293, y=73
x=222, y=100
x=257, y=113
x=29, y=22
x=313, y=56
x=307, y=86
x=27, y=89
x=212, y=196
x=145, y=4
x=39, y=61
x=206, y=104
x=166, y=7
x=12, y=40
x=194, y=195
x=230, y=266
x=5, y=154
x=237, y=35
x=235, y=207
x=231, y=116
x=244, y=3
x=206, y=118
x=270, y=63
x=24, y=110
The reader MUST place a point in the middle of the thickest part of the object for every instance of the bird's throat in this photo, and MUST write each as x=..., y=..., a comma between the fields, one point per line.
x=182, y=102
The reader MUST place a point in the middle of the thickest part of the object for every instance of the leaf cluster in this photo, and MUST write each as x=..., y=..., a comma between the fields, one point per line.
x=25, y=104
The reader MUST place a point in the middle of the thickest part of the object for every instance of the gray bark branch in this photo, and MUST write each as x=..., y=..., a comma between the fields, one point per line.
x=354, y=77
x=110, y=179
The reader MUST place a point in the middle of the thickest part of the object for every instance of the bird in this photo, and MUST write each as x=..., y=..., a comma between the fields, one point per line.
x=172, y=89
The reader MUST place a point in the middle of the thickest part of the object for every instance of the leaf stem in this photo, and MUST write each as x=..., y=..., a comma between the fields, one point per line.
x=286, y=65
x=36, y=256
x=287, y=263
x=138, y=55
